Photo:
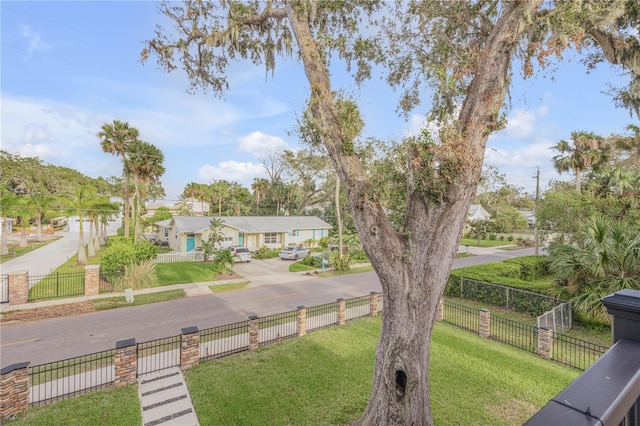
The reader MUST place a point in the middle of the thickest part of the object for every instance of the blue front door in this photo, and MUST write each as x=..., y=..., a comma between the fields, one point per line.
x=241, y=239
x=191, y=243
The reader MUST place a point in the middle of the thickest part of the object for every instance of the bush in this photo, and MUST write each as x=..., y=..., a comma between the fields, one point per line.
x=324, y=242
x=122, y=253
x=119, y=240
x=137, y=276
x=501, y=237
x=492, y=237
x=312, y=261
x=510, y=238
x=265, y=253
x=340, y=263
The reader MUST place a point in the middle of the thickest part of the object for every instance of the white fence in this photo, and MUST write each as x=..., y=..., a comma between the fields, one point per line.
x=558, y=319
x=192, y=256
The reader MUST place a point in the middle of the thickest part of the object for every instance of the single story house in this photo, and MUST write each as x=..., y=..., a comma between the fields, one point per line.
x=185, y=233
x=530, y=216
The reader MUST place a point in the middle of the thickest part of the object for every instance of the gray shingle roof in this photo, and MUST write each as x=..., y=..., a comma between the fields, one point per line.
x=251, y=224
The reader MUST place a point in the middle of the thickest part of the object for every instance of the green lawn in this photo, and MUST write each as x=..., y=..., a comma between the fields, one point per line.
x=222, y=288
x=109, y=407
x=139, y=299
x=184, y=272
x=472, y=242
x=325, y=378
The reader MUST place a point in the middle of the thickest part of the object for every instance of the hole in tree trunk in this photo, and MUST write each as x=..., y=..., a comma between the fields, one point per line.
x=401, y=382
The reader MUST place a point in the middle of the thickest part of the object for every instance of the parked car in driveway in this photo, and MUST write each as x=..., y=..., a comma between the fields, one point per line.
x=240, y=254
x=294, y=252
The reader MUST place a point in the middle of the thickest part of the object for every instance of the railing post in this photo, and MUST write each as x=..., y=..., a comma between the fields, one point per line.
x=373, y=303
x=18, y=288
x=189, y=348
x=254, y=333
x=14, y=390
x=341, y=305
x=624, y=308
x=440, y=310
x=126, y=363
x=545, y=342
x=484, y=329
x=91, y=280
x=302, y=321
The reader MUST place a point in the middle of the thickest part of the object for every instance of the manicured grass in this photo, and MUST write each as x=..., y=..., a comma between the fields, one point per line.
x=222, y=288
x=139, y=299
x=109, y=407
x=301, y=267
x=185, y=272
x=325, y=378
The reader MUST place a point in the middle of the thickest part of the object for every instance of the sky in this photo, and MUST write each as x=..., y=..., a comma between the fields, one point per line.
x=67, y=68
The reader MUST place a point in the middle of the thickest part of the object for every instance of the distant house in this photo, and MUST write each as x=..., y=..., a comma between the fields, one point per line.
x=477, y=212
x=161, y=235
x=185, y=233
x=186, y=207
x=530, y=216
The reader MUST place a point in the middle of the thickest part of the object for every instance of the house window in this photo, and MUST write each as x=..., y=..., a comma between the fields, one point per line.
x=228, y=239
x=295, y=233
x=271, y=237
x=166, y=233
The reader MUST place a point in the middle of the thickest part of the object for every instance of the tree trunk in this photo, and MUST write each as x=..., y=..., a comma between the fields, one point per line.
x=82, y=254
x=578, y=181
x=4, y=244
x=39, y=226
x=23, y=235
x=338, y=217
x=96, y=236
x=126, y=198
x=90, y=249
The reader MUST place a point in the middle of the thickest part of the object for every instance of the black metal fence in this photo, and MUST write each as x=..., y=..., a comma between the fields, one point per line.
x=275, y=328
x=218, y=342
x=106, y=285
x=461, y=316
x=322, y=316
x=4, y=288
x=55, y=285
x=71, y=377
x=514, y=333
x=158, y=354
x=357, y=307
x=575, y=352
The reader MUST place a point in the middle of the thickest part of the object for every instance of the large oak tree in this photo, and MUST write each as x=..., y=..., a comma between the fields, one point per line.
x=464, y=51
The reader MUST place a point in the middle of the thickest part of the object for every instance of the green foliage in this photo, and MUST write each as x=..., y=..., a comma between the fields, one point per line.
x=266, y=253
x=120, y=239
x=492, y=237
x=121, y=253
x=340, y=263
x=223, y=260
x=324, y=242
x=137, y=276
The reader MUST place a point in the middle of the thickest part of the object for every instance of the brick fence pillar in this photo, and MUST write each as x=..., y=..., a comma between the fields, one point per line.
x=484, y=328
x=126, y=363
x=341, y=311
x=545, y=342
x=254, y=333
x=440, y=310
x=190, y=348
x=302, y=321
x=91, y=280
x=373, y=303
x=18, y=287
x=14, y=390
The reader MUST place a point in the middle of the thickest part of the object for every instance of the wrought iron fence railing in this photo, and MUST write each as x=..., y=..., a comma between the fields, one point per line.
x=158, y=354
x=225, y=340
x=55, y=285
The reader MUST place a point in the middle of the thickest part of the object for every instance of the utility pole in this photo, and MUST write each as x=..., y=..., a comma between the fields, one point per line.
x=536, y=230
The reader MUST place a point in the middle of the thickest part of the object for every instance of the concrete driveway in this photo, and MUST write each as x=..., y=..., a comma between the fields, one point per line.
x=269, y=272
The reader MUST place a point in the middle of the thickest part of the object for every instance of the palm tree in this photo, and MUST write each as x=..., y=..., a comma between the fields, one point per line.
x=604, y=259
x=587, y=151
x=24, y=211
x=79, y=204
x=260, y=187
x=42, y=205
x=115, y=139
x=106, y=211
x=145, y=164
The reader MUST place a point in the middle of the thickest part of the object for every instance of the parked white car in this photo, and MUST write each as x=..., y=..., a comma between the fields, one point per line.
x=240, y=254
x=294, y=252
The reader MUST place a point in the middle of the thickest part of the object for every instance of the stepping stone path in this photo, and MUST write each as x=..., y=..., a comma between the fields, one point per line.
x=165, y=399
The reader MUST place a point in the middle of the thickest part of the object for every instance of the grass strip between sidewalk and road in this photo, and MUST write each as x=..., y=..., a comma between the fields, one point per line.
x=139, y=299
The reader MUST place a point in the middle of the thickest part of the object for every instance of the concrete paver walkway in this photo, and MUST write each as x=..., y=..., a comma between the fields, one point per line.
x=165, y=399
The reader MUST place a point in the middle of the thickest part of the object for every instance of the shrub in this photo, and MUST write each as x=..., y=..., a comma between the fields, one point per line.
x=122, y=253
x=309, y=243
x=312, y=261
x=492, y=237
x=119, y=240
x=324, y=242
x=340, y=263
x=265, y=253
x=501, y=237
x=510, y=238
x=137, y=276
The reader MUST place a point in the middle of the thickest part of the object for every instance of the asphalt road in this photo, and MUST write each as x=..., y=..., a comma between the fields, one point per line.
x=61, y=338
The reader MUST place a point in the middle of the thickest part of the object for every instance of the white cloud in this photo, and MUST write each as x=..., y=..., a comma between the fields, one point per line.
x=260, y=144
x=415, y=125
x=233, y=171
x=522, y=123
x=36, y=44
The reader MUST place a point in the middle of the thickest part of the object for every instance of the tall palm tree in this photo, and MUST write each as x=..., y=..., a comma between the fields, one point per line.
x=79, y=204
x=42, y=204
x=115, y=139
x=260, y=187
x=145, y=165
x=588, y=150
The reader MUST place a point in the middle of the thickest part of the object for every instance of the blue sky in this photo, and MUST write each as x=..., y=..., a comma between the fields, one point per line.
x=69, y=67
